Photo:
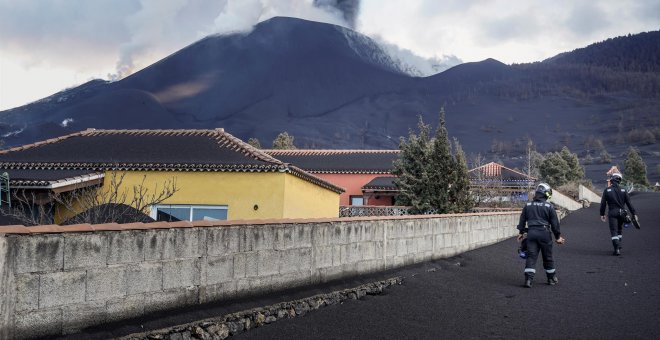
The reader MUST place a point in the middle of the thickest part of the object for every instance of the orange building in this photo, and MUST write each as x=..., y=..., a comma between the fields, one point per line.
x=364, y=174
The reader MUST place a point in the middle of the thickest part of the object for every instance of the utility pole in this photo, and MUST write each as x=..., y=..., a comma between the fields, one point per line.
x=529, y=166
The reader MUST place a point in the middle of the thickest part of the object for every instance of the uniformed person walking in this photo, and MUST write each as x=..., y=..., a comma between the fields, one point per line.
x=538, y=223
x=615, y=198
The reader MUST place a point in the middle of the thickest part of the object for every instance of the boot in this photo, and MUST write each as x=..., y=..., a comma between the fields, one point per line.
x=617, y=250
x=552, y=279
x=528, y=280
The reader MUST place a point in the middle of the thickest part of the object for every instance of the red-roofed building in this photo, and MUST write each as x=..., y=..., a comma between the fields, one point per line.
x=364, y=174
x=511, y=184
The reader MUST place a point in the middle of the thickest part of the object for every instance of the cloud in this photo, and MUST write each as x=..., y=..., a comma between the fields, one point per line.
x=242, y=15
x=586, y=19
x=348, y=9
x=417, y=65
x=115, y=38
x=507, y=30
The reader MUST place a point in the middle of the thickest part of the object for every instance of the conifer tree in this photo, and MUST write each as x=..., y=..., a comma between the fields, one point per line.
x=461, y=187
x=553, y=169
x=284, y=141
x=254, y=142
x=410, y=169
x=429, y=177
x=441, y=169
x=635, y=168
x=574, y=172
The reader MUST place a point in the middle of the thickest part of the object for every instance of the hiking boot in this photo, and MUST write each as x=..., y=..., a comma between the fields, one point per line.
x=553, y=280
x=528, y=283
x=617, y=252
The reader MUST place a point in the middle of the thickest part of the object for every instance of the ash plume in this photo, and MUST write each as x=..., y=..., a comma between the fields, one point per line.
x=349, y=9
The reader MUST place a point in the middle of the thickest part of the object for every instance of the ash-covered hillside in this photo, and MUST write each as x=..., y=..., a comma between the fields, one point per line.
x=331, y=87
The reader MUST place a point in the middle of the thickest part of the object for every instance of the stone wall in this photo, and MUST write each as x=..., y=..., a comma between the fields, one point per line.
x=59, y=280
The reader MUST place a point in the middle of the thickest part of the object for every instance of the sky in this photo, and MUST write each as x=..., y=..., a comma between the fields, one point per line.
x=49, y=45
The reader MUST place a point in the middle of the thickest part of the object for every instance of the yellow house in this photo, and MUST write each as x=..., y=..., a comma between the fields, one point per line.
x=210, y=175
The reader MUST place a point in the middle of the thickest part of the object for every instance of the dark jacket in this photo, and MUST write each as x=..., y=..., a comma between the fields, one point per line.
x=539, y=213
x=615, y=198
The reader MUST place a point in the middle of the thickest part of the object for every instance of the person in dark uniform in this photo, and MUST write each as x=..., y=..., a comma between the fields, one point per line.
x=615, y=198
x=538, y=223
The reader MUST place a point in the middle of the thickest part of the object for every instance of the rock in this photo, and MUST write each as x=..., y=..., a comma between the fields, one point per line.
x=248, y=324
x=186, y=335
x=259, y=319
x=176, y=336
x=282, y=313
x=200, y=333
x=270, y=319
x=302, y=308
x=219, y=330
x=235, y=327
x=313, y=304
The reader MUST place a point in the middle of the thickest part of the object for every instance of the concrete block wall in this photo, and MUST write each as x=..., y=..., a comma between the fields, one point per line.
x=564, y=201
x=59, y=280
x=588, y=195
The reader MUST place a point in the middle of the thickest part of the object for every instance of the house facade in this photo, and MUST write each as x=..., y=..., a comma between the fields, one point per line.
x=216, y=175
x=364, y=174
x=495, y=181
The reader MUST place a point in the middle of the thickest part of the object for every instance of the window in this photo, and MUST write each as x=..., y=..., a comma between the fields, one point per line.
x=177, y=212
x=357, y=200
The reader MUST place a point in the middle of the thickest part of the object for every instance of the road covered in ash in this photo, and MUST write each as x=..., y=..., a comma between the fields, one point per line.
x=479, y=294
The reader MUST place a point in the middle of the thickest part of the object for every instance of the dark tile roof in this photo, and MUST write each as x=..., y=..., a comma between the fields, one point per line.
x=339, y=161
x=381, y=184
x=156, y=150
x=47, y=177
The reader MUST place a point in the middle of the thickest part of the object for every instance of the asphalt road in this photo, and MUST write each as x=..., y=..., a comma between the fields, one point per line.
x=480, y=295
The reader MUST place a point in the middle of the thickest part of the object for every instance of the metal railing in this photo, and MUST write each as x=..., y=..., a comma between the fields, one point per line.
x=372, y=210
x=5, y=196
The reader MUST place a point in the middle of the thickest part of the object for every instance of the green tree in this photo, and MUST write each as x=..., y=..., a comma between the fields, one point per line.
x=635, y=168
x=254, y=142
x=574, y=172
x=461, y=185
x=553, y=169
x=429, y=177
x=410, y=170
x=441, y=169
x=284, y=141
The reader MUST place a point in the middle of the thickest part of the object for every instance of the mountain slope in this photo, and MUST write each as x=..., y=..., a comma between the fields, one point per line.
x=331, y=87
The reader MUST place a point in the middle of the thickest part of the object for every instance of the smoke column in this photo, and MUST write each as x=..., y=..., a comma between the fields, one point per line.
x=349, y=9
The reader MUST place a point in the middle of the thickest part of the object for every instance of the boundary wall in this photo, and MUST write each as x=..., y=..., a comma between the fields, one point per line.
x=60, y=279
x=588, y=195
x=564, y=201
